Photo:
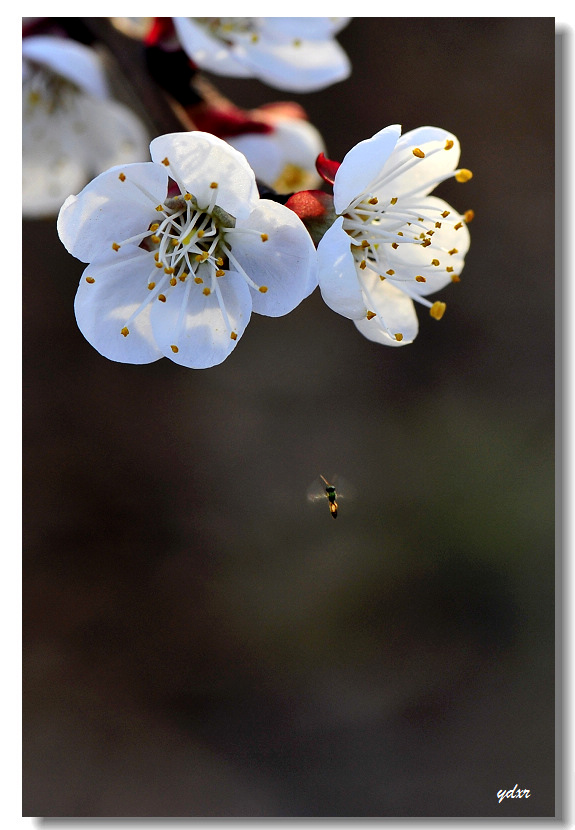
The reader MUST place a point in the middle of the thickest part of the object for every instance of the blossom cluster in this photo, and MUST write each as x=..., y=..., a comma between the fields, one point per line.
x=228, y=218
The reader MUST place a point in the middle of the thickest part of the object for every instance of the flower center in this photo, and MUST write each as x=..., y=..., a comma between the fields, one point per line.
x=191, y=250
x=227, y=29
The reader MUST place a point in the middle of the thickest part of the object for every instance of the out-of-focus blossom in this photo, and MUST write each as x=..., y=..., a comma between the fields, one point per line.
x=299, y=54
x=393, y=243
x=71, y=129
x=285, y=157
x=181, y=251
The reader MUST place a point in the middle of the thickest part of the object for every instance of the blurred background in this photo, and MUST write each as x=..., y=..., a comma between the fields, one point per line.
x=198, y=639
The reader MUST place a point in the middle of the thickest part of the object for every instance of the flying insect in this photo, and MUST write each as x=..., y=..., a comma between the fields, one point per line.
x=325, y=490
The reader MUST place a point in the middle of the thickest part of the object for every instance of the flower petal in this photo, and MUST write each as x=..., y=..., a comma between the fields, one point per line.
x=71, y=60
x=338, y=279
x=194, y=323
x=310, y=28
x=197, y=160
x=111, y=209
x=407, y=175
x=306, y=67
x=362, y=166
x=283, y=260
x=207, y=51
x=394, y=310
x=108, y=134
x=108, y=294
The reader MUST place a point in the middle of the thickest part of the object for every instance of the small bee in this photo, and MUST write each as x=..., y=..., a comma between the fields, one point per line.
x=318, y=491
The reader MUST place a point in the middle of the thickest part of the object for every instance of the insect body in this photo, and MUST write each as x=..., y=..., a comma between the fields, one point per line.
x=319, y=491
x=331, y=497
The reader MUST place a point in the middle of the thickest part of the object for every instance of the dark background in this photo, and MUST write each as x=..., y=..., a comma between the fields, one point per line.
x=198, y=640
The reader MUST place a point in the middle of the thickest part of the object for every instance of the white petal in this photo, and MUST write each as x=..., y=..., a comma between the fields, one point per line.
x=110, y=209
x=362, y=166
x=263, y=154
x=338, y=279
x=104, y=306
x=199, y=159
x=308, y=67
x=406, y=175
x=286, y=263
x=73, y=61
x=208, y=52
x=194, y=322
x=395, y=314
x=448, y=248
x=108, y=134
x=301, y=28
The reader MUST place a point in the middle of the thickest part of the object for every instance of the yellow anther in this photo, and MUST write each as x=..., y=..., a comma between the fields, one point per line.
x=393, y=201
x=233, y=335
x=463, y=175
x=90, y=280
x=202, y=257
x=162, y=298
x=437, y=310
x=151, y=285
x=219, y=261
x=419, y=153
x=264, y=237
x=220, y=273
x=453, y=251
x=122, y=177
x=174, y=349
x=213, y=185
x=381, y=277
x=157, y=256
x=398, y=336
x=160, y=208
x=198, y=280
x=364, y=243
x=400, y=233
x=438, y=224
x=370, y=315
x=207, y=291
x=373, y=201
x=391, y=272
x=449, y=269
x=435, y=262
x=430, y=233
x=200, y=234
x=168, y=270
x=455, y=278
x=448, y=144
x=297, y=42
x=155, y=239
x=166, y=162
x=363, y=264
x=394, y=245
x=187, y=196
x=182, y=276
x=173, y=281
x=125, y=331
x=419, y=278
x=154, y=226
x=263, y=289
x=469, y=216
x=159, y=264
x=115, y=246
x=445, y=214
x=459, y=225
x=254, y=38
x=426, y=243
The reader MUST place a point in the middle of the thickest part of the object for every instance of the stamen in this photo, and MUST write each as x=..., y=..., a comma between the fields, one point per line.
x=437, y=310
x=463, y=175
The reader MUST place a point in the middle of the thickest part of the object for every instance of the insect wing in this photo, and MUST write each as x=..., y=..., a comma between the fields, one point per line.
x=316, y=491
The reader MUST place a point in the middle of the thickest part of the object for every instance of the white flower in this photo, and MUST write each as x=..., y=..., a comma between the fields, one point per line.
x=181, y=251
x=284, y=158
x=392, y=243
x=71, y=130
x=292, y=53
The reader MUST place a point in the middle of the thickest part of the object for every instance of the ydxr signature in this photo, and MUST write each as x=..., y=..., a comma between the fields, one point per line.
x=512, y=794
